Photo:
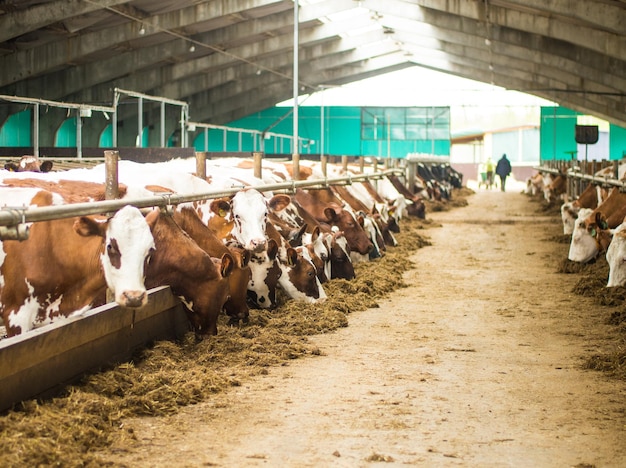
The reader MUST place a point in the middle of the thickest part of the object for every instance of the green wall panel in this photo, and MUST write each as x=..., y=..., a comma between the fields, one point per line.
x=17, y=130
x=396, y=131
x=617, y=142
x=558, y=131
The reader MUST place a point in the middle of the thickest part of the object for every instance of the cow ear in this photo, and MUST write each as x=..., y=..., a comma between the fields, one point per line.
x=292, y=256
x=272, y=249
x=279, y=202
x=361, y=220
x=86, y=226
x=227, y=265
x=220, y=207
x=316, y=232
x=330, y=213
x=152, y=217
x=46, y=166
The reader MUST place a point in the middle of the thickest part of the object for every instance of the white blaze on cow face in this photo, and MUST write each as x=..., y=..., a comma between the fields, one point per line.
x=249, y=212
x=616, y=257
x=264, y=275
x=128, y=245
x=583, y=246
x=299, y=277
x=569, y=214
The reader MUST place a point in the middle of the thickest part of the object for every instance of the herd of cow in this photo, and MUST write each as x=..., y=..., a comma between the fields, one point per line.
x=594, y=219
x=221, y=255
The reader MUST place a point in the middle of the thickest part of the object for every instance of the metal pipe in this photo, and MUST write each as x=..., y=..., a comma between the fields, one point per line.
x=10, y=216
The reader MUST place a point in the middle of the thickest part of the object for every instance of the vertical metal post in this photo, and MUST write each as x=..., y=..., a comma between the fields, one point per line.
x=296, y=153
x=162, y=136
x=36, y=130
x=324, y=161
x=411, y=169
x=322, y=149
x=184, y=112
x=110, y=166
x=361, y=164
x=79, y=134
x=206, y=139
x=139, y=142
x=344, y=163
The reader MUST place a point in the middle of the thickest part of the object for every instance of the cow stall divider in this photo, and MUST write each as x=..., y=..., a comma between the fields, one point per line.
x=42, y=361
x=582, y=173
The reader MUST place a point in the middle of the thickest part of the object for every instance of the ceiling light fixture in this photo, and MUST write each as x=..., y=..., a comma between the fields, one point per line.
x=192, y=48
x=142, y=31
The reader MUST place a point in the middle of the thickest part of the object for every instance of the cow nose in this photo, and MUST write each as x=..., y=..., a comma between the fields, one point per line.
x=134, y=299
x=258, y=245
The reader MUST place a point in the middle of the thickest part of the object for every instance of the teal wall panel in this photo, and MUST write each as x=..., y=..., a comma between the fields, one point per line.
x=66, y=134
x=557, y=134
x=558, y=137
x=17, y=130
x=389, y=131
x=617, y=142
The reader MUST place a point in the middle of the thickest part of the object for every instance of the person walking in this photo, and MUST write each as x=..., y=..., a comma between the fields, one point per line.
x=489, y=166
x=503, y=169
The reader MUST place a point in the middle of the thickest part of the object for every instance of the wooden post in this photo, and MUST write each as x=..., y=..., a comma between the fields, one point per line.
x=201, y=164
x=295, y=160
x=361, y=164
x=324, y=161
x=110, y=164
x=257, y=156
x=344, y=163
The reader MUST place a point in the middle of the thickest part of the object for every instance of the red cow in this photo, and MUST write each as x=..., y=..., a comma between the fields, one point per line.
x=326, y=208
x=65, y=265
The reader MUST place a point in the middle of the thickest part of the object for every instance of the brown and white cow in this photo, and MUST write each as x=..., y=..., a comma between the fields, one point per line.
x=592, y=231
x=591, y=197
x=29, y=164
x=65, y=265
x=326, y=208
x=197, y=278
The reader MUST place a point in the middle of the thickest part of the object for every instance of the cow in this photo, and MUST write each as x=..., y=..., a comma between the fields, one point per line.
x=326, y=208
x=29, y=164
x=535, y=184
x=241, y=221
x=414, y=203
x=555, y=189
x=591, y=197
x=65, y=265
x=616, y=257
x=592, y=230
x=199, y=280
x=205, y=276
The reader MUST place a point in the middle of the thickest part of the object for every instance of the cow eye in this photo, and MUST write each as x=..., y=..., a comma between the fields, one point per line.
x=112, y=249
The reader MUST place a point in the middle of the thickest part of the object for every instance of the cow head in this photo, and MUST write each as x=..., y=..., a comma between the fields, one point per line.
x=265, y=273
x=236, y=307
x=341, y=265
x=616, y=257
x=352, y=227
x=249, y=210
x=128, y=245
x=589, y=237
x=299, y=278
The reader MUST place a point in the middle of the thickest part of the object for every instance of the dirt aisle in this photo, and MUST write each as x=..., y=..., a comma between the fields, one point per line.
x=477, y=363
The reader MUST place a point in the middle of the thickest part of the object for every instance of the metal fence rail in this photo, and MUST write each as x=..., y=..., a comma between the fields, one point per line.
x=13, y=216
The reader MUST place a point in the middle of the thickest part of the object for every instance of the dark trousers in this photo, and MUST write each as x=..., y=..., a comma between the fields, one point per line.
x=502, y=182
